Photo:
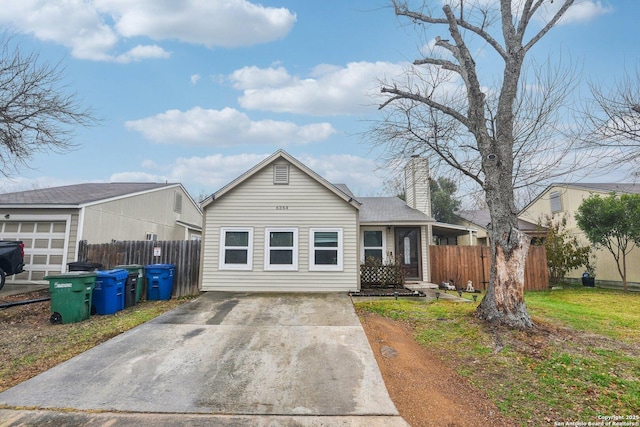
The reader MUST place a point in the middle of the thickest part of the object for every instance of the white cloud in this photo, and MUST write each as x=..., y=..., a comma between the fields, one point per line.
x=329, y=90
x=225, y=128
x=256, y=78
x=195, y=78
x=231, y=23
x=143, y=52
x=92, y=29
x=359, y=173
x=580, y=11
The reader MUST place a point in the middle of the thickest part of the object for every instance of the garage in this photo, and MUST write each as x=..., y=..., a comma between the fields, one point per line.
x=45, y=243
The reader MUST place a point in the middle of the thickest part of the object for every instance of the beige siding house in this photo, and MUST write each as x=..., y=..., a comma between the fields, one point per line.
x=52, y=221
x=282, y=227
x=562, y=200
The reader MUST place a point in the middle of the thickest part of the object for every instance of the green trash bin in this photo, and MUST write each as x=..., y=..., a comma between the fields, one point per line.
x=139, y=269
x=71, y=296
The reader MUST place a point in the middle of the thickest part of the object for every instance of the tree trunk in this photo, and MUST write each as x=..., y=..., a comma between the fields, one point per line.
x=504, y=302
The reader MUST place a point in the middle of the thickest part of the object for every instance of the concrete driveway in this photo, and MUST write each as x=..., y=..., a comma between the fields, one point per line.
x=227, y=358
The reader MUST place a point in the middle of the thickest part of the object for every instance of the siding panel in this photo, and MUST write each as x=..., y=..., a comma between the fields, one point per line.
x=303, y=203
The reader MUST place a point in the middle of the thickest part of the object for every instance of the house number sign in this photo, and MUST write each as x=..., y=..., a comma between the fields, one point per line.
x=282, y=208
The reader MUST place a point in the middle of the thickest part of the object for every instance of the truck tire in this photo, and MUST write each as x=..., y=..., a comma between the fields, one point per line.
x=3, y=277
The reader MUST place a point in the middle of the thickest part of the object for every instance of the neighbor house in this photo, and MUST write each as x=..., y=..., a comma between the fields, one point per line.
x=282, y=227
x=562, y=200
x=52, y=221
x=481, y=218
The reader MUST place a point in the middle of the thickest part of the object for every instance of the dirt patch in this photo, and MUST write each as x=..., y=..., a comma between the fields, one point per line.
x=425, y=391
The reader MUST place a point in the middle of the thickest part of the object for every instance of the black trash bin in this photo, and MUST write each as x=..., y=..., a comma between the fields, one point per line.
x=130, y=290
x=587, y=280
x=83, y=266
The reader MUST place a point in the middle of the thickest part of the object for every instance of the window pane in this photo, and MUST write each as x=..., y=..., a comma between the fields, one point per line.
x=281, y=238
x=376, y=253
x=281, y=257
x=236, y=238
x=235, y=256
x=373, y=239
x=324, y=257
x=325, y=239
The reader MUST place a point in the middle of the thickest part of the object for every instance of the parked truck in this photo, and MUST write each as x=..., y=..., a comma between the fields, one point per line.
x=11, y=259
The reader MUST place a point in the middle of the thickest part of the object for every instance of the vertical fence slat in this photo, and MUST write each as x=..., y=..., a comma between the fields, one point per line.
x=463, y=263
x=184, y=254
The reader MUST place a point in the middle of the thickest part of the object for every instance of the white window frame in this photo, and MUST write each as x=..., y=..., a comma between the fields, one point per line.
x=267, y=249
x=312, y=251
x=223, y=248
x=383, y=247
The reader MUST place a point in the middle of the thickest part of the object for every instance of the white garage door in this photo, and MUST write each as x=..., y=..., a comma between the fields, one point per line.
x=45, y=244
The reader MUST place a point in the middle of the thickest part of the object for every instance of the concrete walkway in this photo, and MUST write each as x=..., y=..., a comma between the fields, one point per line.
x=223, y=359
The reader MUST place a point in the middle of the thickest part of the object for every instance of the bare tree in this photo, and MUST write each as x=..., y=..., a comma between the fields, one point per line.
x=614, y=121
x=499, y=135
x=37, y=111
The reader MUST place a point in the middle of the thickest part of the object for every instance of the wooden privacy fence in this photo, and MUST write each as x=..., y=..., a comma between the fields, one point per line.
x=463, y=263
x=184, y=254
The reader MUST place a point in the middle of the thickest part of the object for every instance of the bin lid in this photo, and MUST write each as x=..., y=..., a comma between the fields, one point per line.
x=72, y=275
x=167, y=266
x=117, y=273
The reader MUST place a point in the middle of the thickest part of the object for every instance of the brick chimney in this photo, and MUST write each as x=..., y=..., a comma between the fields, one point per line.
x=416, y=184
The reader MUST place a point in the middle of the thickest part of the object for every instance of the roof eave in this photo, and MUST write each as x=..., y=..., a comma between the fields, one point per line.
x=38, y=206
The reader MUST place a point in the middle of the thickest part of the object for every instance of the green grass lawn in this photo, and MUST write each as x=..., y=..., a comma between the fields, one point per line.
x=582, y=362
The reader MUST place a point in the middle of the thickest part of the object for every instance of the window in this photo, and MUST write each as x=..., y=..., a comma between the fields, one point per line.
x=236, y=248
x=281, y=174
x=281, y=249
x=325, y=249
x=556, y=202
x=373, y=245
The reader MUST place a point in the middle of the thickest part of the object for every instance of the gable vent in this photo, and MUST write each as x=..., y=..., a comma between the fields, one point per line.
x=281, y=174
x=177, y=202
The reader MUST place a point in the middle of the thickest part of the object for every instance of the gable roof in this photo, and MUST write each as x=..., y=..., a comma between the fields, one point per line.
x=281, y=154
x=78, y=194
x=390, y=210
x=603, y=187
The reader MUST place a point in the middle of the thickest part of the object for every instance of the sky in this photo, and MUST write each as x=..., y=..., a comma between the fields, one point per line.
x=199, y=91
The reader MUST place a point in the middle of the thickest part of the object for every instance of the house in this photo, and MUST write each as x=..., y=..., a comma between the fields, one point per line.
x=562, y=200
x=52, y=221
x=282, y=227
x=480, y=220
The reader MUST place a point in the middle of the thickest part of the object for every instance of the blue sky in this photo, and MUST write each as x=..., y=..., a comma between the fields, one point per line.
x=199, y=91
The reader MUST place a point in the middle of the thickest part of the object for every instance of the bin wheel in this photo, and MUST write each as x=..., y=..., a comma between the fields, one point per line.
x=93, y=309
x=56, y=318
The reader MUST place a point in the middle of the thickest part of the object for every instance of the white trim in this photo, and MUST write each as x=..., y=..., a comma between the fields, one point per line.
x=312, y=251
x=249, y=248
x=383, y=247
x=267, y=248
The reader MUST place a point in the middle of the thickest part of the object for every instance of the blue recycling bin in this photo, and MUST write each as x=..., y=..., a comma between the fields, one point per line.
x=159, y=281
x=108, y=292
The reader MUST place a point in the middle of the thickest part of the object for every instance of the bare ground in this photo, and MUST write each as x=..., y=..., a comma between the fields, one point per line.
x=425, y=391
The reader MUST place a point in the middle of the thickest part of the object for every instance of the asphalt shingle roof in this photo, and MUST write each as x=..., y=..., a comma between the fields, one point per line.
x=76, y=194
x=389, y=210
